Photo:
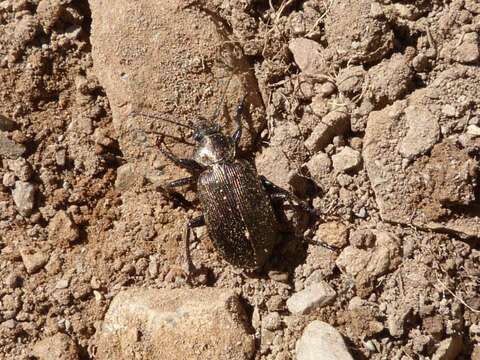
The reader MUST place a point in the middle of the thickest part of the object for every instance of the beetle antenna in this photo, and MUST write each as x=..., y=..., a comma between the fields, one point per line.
x=153, y=116
x=217, y=110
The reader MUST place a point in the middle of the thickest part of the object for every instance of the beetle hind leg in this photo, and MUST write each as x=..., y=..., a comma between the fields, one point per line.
x=277, y=193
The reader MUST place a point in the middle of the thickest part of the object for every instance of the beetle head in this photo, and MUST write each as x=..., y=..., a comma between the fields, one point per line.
x=213, y=146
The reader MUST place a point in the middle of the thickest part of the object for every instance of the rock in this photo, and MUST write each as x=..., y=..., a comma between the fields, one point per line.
x=425, y=190
x=433, y=325
x=390, y=80
x=33, y=261
x=9, y=148
x=314, y=296
x=200, y=323
x=320, y=339
x=473, y=130
x=48, y=13
x=350, y=80
x=423, y=132
x=347, y=159
x=319, y=166
x=334, y=123
x=21, y=168
x=158, y=35
x=468, y=52
x=365, y=265
x=14, y=280
x=333, y=234
x=25, y=30
x=307, y=55
x=8, y=179
x=356, y=36
x=449, y=110
x=272, y=321
x=274, y=165
x=128, y=176
x=285, y=154
x=56, y=347
x=397, y=319
x=24, y=197
x=449, y=349
x=62, y=228
x=6, y=124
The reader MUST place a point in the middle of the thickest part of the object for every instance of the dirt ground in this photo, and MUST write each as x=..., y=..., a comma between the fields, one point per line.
x=368, y=110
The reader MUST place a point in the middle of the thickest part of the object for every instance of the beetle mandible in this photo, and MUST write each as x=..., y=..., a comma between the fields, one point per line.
x=237, y=203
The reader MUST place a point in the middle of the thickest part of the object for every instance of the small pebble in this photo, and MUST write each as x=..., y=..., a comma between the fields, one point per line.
x=314, y=296
x=347, y=159
x=321, y=338
x=272, y=321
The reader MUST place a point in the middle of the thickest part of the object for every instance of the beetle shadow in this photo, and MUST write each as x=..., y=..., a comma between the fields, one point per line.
x=291, y=249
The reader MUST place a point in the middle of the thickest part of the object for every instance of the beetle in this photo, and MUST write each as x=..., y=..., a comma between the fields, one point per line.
x=237, y=203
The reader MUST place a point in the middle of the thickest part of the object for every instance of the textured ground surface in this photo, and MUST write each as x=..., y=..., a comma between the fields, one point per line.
x=369, y=110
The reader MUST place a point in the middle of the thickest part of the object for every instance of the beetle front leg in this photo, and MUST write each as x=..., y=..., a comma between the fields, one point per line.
x=237, y=135
x=188, y=164
x=191, y=223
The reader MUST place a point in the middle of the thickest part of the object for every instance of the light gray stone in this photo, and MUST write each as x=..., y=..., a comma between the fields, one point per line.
x=307, y=55
x=24, y=197
x=347, y=159
x=314, y=296
x=200, y=323
x=321, y=341
x=319, y=166
x=33, y=260
x=332, y=124
x=423, y=132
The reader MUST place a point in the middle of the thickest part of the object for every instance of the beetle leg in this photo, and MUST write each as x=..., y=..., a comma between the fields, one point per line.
x=188, y=164
x=169, y=191
x=275, y=192
x=180, y=182
x=191, y=223
x=237, y=135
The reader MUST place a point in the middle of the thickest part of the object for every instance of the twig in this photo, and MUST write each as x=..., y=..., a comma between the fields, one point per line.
x=457, y=297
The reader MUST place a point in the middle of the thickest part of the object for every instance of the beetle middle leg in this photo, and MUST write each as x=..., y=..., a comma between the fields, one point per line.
x=191, y=223
x=175, y=195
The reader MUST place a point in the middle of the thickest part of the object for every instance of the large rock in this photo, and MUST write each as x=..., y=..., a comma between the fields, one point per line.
x=321, y=341
x=164, y=57
x=418, y=176
x=202, y=323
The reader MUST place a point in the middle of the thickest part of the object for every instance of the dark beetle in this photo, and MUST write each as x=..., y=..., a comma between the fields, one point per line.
x=236, y=201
